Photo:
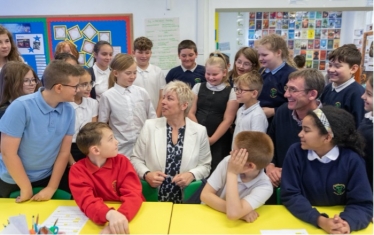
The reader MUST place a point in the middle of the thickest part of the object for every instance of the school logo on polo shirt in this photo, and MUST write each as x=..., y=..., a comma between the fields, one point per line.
x=197, y=80
x=339, y=189
x=338, y=104
x=273, y=92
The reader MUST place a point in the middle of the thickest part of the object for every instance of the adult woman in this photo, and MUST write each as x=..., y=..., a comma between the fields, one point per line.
x=8, y=49
x=173, y=150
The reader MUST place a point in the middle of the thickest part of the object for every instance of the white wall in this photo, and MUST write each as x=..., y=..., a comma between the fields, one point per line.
x=189, y=12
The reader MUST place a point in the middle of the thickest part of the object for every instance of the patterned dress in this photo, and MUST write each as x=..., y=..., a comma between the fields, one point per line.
x=170, y=192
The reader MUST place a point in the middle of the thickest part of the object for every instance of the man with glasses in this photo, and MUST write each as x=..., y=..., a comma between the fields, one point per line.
x=302, y=91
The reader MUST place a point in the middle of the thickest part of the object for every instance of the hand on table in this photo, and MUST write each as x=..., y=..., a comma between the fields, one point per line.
x=44, y=195
x=250, y=217
x=118, y=223
x=334, y=225
x=25, y=195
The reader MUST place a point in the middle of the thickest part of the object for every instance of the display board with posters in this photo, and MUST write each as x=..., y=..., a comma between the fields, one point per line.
x=313, y=34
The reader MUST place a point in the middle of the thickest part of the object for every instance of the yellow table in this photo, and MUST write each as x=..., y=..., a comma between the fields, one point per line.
x=152, y=218
x=201, y=219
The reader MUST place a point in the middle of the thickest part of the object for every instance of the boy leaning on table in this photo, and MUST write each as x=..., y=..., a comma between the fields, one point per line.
x=239, y=184
x=104, y=175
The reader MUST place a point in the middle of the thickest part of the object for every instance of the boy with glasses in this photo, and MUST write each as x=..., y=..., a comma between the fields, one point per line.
x=36, y=134
x=250, y=117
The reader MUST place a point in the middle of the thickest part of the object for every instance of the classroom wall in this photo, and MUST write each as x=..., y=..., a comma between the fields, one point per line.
x=213, y=6
x=228, y=31
x=189, y=12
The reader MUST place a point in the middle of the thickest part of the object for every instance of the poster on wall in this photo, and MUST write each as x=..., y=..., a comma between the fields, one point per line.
x=367, y=52
x=313, y=34
x=85, y=31
x=30, y=35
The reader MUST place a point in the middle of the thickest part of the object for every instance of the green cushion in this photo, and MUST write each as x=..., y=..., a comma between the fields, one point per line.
x=150, y=194
x=191, y=189
x=278, y=196
x=59, y=194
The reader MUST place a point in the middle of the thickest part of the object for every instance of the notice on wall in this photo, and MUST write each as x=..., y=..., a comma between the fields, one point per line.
x=164, y=33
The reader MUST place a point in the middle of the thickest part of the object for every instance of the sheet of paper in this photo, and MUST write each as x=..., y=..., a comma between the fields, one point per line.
x=71, y=219
x=11, y=229
x=285, y=231
x=20, y=223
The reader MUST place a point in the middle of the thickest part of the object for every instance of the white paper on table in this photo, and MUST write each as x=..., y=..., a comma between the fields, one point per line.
x=11, y=229
x=285, y=231
x=71, y=219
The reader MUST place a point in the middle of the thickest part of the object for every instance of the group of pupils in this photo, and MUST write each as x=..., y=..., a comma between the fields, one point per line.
x=42, y=121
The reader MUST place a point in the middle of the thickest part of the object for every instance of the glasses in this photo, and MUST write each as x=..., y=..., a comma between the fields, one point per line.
x=30, y=81
x=75, y=87
x=293, y=90
x=239, y=91
x=244, y=64
x=87, y=84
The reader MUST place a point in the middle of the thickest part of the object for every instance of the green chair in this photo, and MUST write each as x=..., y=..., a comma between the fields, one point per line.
x=191, y=189
x=278, y=192
x=150, y=194
x=59, y=194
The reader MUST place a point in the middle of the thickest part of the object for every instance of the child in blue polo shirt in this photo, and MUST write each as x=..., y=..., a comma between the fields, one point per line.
x=36, y=134
x=344, y=92
x=188, y=72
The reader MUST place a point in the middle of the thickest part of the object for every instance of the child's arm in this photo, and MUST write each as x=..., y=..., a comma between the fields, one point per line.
x=209, y=197
x=269, y=112
x=291, y=194
x=104, y=109
x=358, y=211
x=82, y=189
x=130, y=190
x=94, y=119
x=192, y=113
x=228, y=118
x=57, y=172
x=236, y=208
x=13, y=163
x=159, y=104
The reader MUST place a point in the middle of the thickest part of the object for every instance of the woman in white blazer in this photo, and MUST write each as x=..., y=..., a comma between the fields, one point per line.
x=172, y=151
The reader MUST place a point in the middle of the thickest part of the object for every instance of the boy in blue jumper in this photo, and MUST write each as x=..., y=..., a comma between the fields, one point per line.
x=326, y=169
x=36, y=135
x=188, y=72
x=366, y=128
x=344, y=92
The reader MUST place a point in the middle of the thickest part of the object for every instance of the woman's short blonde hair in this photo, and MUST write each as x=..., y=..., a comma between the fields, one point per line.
x=183, y=92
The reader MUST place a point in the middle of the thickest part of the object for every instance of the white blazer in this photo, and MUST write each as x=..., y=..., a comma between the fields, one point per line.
x=149, y=153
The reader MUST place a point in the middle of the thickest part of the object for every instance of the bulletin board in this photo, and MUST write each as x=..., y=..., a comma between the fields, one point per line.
x=30, y=36
x=313, y=34
x=85, y=31
x=37, y=37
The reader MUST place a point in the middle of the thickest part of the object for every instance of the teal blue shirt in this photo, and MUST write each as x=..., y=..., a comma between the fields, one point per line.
x=41, y=129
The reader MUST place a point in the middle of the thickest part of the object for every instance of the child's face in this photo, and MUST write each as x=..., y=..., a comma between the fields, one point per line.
x=142, y=57
x=187, y=57
x=243, y=65
x=244, y=93
x=108, y=145
x=104, y=56
x=340, y=72
x=214, y=74
x=85, y=86
x=5, y=45
x=310, y=136
x=269, y=59
x=29, y=83
x=368, y=97
x=126, y=77
x=70, y=89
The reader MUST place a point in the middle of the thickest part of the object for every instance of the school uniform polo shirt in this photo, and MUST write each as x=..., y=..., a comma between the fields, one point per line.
x=41, y=129
x=152, y=80
x=256, y=192
x=84, y=112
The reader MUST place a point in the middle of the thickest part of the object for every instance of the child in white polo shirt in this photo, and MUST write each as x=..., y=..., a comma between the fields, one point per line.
x=86, y=110
x=239, y=184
